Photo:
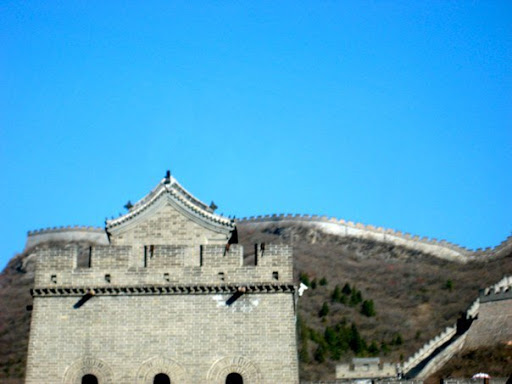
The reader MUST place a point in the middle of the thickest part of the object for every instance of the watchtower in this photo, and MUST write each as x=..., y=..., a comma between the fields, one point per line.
x=169, y=300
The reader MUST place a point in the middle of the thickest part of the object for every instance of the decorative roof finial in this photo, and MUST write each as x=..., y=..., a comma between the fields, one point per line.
x=213, y=206
x=167, y=177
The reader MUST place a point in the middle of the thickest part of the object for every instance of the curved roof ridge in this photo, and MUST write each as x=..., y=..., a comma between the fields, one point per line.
x=170, y=186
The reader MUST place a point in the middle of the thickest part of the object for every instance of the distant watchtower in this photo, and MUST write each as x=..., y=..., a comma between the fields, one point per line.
x=169, y=300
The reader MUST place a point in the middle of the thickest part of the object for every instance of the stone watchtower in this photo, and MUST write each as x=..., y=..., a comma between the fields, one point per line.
x=169, y=300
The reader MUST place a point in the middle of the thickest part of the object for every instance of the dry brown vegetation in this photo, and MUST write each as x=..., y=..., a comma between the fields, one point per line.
x=496, y=361
x=415, y=295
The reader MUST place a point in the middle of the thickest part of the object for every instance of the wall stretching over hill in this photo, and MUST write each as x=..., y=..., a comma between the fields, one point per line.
x=94, y=235
x=490, y=317
x=340, y=227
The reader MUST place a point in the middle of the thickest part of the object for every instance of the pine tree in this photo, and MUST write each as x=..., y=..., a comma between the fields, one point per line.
x=356, y=297
x=367, y=308
x=357, y=344
x=336, y=294
x=320, y=354
x=373, y=349
x=346, y=289
x=304, y=278
x=324, y=311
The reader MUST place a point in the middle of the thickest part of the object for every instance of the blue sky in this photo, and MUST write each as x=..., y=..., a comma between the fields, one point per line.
x=392, y=113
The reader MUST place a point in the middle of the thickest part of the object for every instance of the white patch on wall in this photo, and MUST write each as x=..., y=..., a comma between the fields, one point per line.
x=244, y=303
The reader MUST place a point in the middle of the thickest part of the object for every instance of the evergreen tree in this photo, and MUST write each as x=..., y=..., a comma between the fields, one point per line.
x=304, y=278
x=346, y=289
x=315, y=336
x=356, y=297
x=357, y=344
x=373, y=349
x=398, y=339
x=320, y=354
x=324, y=311
x=323, y=281
x=313, y=284
x=336, y=294
x=367, y=308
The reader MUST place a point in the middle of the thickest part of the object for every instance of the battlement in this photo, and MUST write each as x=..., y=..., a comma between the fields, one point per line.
x=341, y=227
x=75, y=233
x=476, y=312
x=365, y=368
x=499, y=291
x=108, y=266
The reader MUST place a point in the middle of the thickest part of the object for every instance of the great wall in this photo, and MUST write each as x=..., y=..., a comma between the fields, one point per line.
x=339, y=227
x=472, y=329
x=485, y=321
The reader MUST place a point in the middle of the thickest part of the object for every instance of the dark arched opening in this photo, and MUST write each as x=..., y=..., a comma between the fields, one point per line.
x=161, y=378
x=89, y=379
x=234, y=378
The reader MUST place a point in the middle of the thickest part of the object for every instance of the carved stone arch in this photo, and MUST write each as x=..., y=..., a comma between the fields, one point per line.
x=234, y=364
x=88, y=366
x=155, y=365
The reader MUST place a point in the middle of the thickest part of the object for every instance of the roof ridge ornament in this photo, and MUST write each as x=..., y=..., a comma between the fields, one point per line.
x=167, y=179
x=183, y=199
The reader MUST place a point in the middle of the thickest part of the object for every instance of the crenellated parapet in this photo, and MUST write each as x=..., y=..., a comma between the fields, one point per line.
x=340, y=227
x=428, y=348
x=439, y=349
x=499, y=291
x=75, y=233
x=161, y=265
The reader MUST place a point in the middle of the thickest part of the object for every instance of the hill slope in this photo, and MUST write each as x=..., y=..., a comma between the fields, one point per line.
x=414, y=296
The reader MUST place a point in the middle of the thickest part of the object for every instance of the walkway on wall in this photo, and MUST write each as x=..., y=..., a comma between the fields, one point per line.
x=417, y=370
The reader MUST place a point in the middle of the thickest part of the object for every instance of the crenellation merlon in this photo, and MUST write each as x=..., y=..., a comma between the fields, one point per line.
x=436, y=247
x=162, y=264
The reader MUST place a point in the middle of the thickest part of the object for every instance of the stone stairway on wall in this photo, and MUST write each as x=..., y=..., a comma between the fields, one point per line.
x=435, y=353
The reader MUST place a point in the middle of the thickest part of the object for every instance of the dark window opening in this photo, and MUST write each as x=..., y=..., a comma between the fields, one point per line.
x=83, y=259
x=54, y=279
x=107, y=278
x=166, y=277
x=89, y=379
x=234, y=378
x=149, y=250
x=161, y=378
x=275, y=275
x=221, y=276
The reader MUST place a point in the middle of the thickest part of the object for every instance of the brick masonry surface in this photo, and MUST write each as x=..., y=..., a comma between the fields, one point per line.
x=492, y=324
x=192, y=332
x=166, y=296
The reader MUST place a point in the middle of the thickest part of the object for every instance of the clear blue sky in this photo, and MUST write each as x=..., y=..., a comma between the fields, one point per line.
x=392, y=113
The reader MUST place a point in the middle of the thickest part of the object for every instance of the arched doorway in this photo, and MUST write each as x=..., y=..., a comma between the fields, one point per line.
x=161, y=378
x=234, y=378
x=89, y=379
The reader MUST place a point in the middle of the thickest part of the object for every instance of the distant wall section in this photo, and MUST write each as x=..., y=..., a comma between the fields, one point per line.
x=339, y=227
x=94, y=235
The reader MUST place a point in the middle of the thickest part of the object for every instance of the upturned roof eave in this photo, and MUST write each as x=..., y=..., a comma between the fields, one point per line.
x=170, y=187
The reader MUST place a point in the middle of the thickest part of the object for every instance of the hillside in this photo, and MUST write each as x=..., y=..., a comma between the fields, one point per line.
x=413, y=296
